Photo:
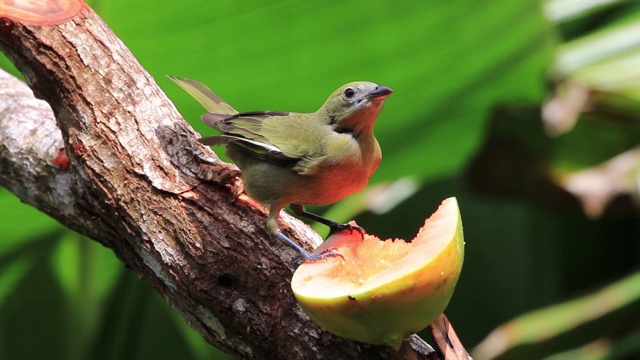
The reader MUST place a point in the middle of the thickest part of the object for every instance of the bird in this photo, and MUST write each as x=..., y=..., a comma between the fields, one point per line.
x=298, y=159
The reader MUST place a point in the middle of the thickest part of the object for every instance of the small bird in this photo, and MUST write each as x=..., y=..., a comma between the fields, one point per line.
x=299, y=159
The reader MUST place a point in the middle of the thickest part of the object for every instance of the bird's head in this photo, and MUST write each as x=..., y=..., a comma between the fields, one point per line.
x=354, y=107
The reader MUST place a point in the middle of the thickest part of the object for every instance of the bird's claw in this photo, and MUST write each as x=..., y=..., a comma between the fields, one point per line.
x=312, y=257
x=335, y=228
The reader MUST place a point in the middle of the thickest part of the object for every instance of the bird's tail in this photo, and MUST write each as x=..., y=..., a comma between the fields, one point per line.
x=207, y=98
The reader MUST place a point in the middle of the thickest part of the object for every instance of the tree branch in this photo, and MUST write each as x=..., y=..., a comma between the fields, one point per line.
x=140, y=184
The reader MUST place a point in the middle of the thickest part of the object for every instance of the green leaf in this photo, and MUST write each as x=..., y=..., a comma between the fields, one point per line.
x=12, y=273
x=551, y=328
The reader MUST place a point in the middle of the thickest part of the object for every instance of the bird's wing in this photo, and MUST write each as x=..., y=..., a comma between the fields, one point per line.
x=245, y=130
x=207, y=98
x=247, y=125
x=300, y=136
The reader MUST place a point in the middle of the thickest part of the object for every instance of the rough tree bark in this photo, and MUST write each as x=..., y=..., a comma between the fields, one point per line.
x=140, y=184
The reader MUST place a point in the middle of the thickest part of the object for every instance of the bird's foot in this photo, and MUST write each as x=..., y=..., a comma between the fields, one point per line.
x=335, y=228
x=306, y=256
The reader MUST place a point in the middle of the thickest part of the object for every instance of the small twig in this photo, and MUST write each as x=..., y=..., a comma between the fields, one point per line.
x=447, y=340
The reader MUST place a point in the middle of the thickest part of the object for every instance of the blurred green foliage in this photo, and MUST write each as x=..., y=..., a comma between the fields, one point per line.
x=450, y=64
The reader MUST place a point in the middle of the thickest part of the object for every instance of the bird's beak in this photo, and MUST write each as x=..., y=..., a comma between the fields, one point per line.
x=379, y=92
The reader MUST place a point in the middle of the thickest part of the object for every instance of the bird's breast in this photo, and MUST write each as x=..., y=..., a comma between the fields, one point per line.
x=332, y=181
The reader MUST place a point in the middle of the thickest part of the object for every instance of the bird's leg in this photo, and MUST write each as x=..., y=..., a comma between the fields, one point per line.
x=334, y=227
x=274, y=230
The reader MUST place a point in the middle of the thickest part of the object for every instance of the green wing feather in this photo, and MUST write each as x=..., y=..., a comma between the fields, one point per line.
x=299, y=136
x=245, y=130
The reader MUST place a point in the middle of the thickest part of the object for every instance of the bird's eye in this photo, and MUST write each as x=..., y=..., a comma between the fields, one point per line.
x=349, y=93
